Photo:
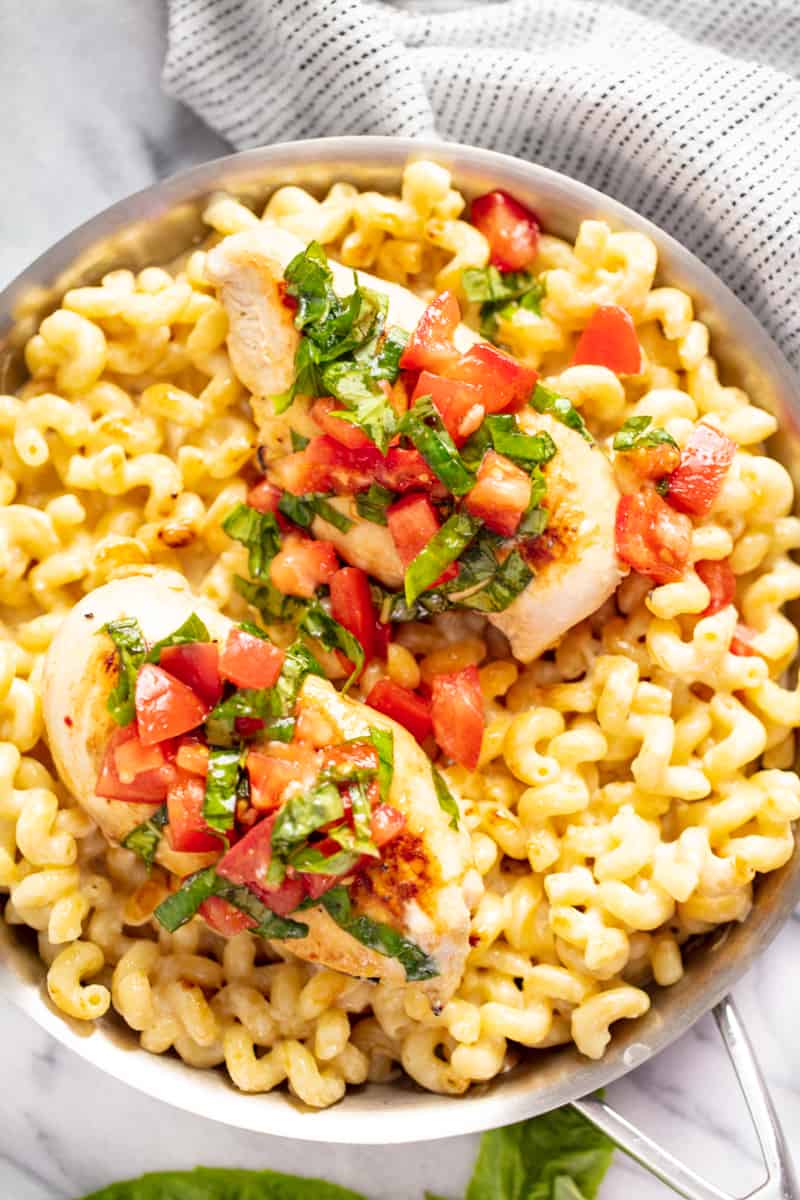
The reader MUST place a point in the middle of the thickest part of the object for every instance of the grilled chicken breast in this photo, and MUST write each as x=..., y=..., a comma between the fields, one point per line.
x=420, y=885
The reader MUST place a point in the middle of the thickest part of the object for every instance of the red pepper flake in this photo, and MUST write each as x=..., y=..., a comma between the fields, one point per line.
x=68, y=722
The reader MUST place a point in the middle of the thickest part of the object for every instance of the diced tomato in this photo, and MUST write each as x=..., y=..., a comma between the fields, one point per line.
x=248, y=863
x=742, y=641
x=349, y=757
x=609, y=340
x=187, y=827
x=505, y=384
x=651, y=537
x=412, y=524
x=343, y=431
x=460, y=405
x=165, y=707
x=510, y=228
x=652, y=462
x=264, y=497
x=696, y=482
x=249, y=661
x=192, y=756
x=501, y=494
x=149, y=787
x=457, y=712
x=317, y=885
x=223, y=918
x=405, y=470
x=720, y=581
x=302, y=565
x=431, y=347
x=351, y=606
x=290, y=302
x=196, y=665
x=327, y=465
x=408, y=708
x=131, y=758
x=248, y=726
x=273, y=770
x=386, y=823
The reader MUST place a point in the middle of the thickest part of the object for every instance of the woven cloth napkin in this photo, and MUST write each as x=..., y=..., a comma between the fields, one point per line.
x=688, y=111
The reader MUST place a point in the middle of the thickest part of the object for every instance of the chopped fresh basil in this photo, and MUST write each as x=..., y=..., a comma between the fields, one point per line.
x=520, y=447
x=444, y=548
x=475, y=447
x=366, y=404
x=501, y=294
x=304, y=814
x=662, y=487
x=447, y=801
x=257, y=531
x=260, y=704
x=637, y=433
x=317, y=623
x=127, y=636
x=298, y=662
x=192, y=630
x=386, y=364
x=545, y=401
x=254, y=630
x=372, y=504
x=379, y=937
x=383, y=741
x=362, y=818
x=275, y=608
x=534, y=522
x=310, y=282
x=299, y=440
x=311, y=860
x=219, y=804
x=303, y=509
x=181, y=906
x=145, y=838
x=423, y=425
x=509, y=580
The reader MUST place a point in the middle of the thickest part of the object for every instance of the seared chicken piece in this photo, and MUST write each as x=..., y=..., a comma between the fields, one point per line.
x=420, y=886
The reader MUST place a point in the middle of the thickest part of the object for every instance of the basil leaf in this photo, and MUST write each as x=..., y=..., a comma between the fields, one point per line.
x=298, y=662
x=309, y=281
x=308, y=859
x=127, y=636
x=192, y=630
x=303, y=509
x=302, y=815
x=545, y=401
x=386, y=364
x=372, y=504
x=379, y=937
x=565, y=1188
x=519, y=447
x=444, y=547
x=436, y=446
x=362, y=819
x=219, y=803
x=299, y=440
x=366, y=404
x=181, y=906
x=522, y=1162
x=257, y=531
x=501, y=294
x=261, y=704
x=447, y=801
x=383, y=741
x=145, y=838
x=475, y=447
x=317, y=623
x=275, y=608
x=634, y=434
x=509, y=580
x=223, y=1183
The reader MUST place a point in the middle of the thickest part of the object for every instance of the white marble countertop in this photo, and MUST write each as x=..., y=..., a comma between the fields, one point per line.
x=89, y=126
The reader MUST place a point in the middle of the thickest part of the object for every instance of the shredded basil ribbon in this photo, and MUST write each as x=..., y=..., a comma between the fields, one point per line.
x=303, y=509
x=423, y=425
x=545, y=401
x=379, y=937
x=447, y=801
x=257, y=531
x=501, y=294
x=309, y=860
x=299, y=817
x=274, y=607
x=529, y=449
x=372, y=504
x=634, y=434
x=192, y=630
x=383, y=741
x=273, y=706
x=145, y=838
x=444, y=548
x=181, y=906
x=299, y=440
x=317, y=623
x=222, y=780
x=131, y=649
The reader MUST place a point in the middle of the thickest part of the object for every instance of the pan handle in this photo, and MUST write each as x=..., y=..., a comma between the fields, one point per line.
x=781, y=1182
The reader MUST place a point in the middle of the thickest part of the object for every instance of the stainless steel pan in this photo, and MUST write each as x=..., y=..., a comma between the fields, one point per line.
x=153, y=227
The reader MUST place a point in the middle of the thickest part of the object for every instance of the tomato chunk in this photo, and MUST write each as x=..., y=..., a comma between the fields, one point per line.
x=696, y=482
x=147, y=787
x=343, y=431
x=165, y=707
x=510, y=228
x=223, y=918
x=720, y=581
x=742, y=641
x=386, y=823
x=192, y=756
x=651, y=537
x=187, y=827
x=431, y=347
x=405, y=470
x=264, y=497
x=609, y=340
x=327, y=465
x=302, y=565
x=273, y=770
x=349, y=758
x=351, y=606
x=651, y=462
x=408, y=708
x=248, y=862
x=249, y=661
x=505, y=384
x=459, y=404
x=501, y=494
x=457, y=712
x=196, y=665
x=412, y=524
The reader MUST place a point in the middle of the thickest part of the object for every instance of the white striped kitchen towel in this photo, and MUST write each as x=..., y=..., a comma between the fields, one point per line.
x=686, y=110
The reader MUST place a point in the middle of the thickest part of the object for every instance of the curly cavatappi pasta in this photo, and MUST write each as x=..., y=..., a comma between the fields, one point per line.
x=633, y=781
